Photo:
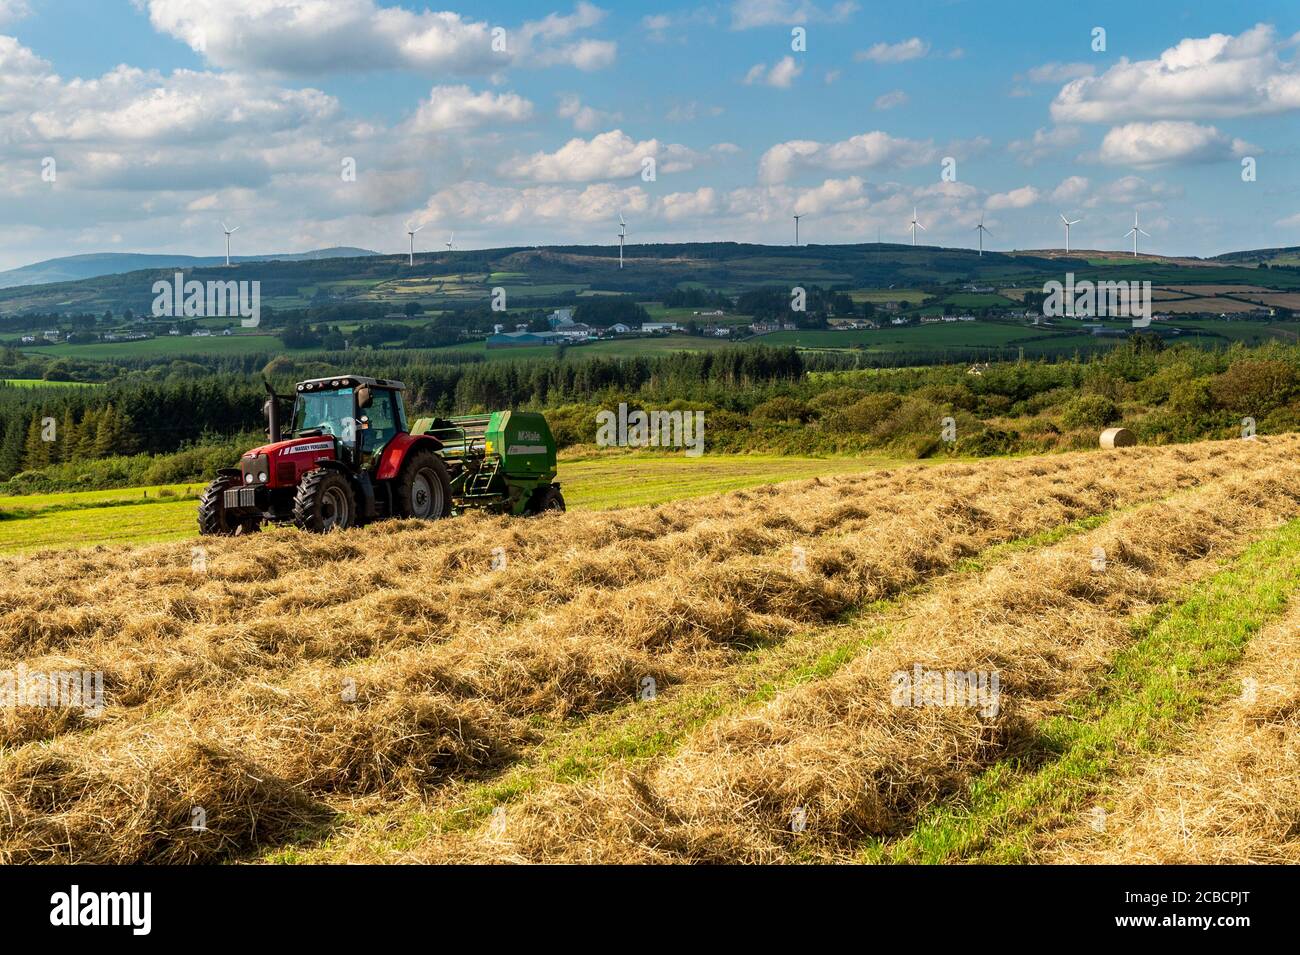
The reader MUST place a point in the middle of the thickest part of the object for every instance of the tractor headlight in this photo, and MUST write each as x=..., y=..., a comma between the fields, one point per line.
x=261, y=477
x=248, y=479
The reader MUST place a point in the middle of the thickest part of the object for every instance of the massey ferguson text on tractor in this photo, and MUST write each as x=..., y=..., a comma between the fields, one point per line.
x=350, y=458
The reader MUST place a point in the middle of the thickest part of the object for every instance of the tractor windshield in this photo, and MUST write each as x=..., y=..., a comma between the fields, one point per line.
x=330, y=412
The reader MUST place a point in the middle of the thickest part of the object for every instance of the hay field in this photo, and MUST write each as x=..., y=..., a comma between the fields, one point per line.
x=701, y=680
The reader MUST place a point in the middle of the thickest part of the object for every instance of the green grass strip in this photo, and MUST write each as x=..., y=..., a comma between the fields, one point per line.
x=1180, y=663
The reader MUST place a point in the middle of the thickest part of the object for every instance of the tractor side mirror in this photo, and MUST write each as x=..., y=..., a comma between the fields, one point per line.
x=364, y=396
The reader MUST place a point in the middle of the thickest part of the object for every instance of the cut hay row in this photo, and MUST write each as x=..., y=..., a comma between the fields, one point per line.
x=828, y=765
x=407, y=664
x=1178, y=665
x=1230, y=794
x=643, y=730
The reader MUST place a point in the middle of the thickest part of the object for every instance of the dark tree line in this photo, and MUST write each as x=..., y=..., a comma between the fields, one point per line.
x=166, y=407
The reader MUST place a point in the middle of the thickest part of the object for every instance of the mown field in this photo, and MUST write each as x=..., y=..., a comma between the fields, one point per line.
x=31, y=522
x=705, y=680
x=167, y=346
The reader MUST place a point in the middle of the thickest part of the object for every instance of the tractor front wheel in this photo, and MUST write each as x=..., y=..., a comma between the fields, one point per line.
x=214, y=520
x=324, y=502
x=423, y=490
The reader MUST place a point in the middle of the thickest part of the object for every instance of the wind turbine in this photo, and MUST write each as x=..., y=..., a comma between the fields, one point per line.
x=622, y=234
x=449, y=238
x=981, y=230
x=915, y=225
x=229, y=233
x=796, y=226
x=1068, y=223
x=1135, y=232
x=411, y=233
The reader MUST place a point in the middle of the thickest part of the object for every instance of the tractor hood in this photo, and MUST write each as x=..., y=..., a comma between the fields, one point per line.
x=319, y=445
x=283, y=463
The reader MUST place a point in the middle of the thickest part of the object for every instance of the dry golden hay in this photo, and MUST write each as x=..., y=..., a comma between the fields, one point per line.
x=854, y=764
x=1113, y=438
x=457, y=668
x=1231, y=791
x=159, y=798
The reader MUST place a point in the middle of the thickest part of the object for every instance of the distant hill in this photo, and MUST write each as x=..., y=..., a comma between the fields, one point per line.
x=562, y=275
x=73, y=268
x=1289, y=255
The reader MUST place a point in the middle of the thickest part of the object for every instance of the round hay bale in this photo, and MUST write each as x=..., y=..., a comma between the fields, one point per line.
x=1118, y=438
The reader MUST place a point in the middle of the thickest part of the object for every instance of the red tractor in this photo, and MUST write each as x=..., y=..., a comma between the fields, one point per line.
x=351, y=458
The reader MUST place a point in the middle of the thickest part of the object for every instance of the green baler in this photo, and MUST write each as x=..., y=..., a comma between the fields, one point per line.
x=503, y=461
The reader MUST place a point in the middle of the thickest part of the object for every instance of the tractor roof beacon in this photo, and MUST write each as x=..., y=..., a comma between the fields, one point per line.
x=348, y=456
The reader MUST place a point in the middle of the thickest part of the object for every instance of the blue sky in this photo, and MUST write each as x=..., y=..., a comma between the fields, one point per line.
x=164, y=117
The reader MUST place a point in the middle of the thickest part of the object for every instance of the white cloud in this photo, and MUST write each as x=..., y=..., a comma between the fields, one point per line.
x=12, y=10
x=1131, y=191
x=324, y=36
x=1044, y=143
x=864, y=151
x=486, y=204
x=128, y=105
x=691, y=111
x=747, y=14
x=1071, y=189
x=1015, y=199
x=584, y=118
x=912, y=49
x=1058, y=72
x=891, y=100
x=459, y=107
x=611, y=155
x=830, y=200
x=1218, y=76
x=689, y=205
x=661, y=27
x=1165, y=142
x=781, y=74
x=1290, y=222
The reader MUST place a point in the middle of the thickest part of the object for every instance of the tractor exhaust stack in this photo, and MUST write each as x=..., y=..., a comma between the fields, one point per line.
x=272, y=409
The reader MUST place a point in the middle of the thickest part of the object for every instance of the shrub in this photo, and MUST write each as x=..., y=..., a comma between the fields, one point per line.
x=1192, y=399
x=994, y=405
x=1255, y=387
x=782, y=408
x=1090, y=411
x=865, y=414
x=987, y=441
x=835, y=399
x=913, y=416
x=957, y=397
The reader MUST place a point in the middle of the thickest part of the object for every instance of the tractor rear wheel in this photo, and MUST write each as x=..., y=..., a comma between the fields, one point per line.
x=324, y=502
x=423, y=489
x=545, y=499
x=213, y=517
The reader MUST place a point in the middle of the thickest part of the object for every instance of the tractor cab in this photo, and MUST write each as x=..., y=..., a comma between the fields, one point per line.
x=362, y=414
